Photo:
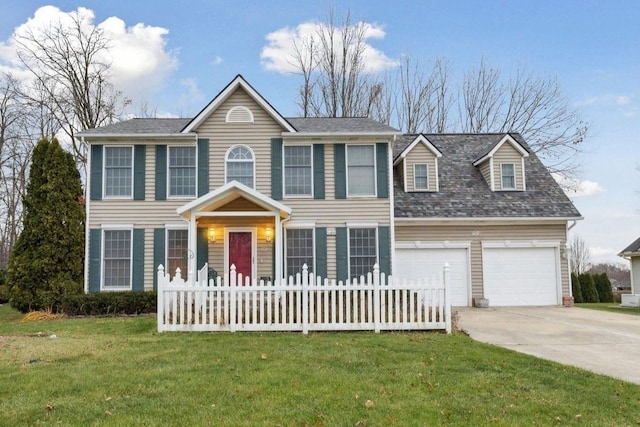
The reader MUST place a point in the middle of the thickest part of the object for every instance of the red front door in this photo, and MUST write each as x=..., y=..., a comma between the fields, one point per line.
x=240, y=243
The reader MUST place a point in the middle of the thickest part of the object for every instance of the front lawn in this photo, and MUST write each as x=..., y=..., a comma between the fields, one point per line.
x=611, y=307
x=119, y=371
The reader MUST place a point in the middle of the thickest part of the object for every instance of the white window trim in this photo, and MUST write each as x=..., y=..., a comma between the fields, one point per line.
x=104, y=172
x=515, y=180
x=415, y=187
x=349, y=227
x=167, y=228
x=375, y=172
x=226, y=160
x=284, y=175
x=237, y=108
x=169, y=195
x=313, y=245
x=116, y=227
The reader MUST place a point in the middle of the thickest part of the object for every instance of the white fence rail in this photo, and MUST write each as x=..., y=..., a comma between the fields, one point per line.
x=302, y=303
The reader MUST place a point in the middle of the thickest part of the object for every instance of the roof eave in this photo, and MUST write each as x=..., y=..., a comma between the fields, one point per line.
x=190, y=135
x=338, y=134
x=487, y=219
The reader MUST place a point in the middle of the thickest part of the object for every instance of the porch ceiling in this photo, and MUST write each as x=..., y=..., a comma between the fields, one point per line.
x=227, y=194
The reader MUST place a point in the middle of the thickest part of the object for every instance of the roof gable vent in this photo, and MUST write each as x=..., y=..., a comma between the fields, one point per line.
x=239, y=114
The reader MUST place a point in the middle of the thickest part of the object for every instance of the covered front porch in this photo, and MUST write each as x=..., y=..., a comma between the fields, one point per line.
x=236, y=225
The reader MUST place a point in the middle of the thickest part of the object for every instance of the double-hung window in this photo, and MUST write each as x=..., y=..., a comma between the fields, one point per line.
x=118, y=171
x=182, y=171
x=361, y=170
x=297, y=171
x=116, y=260
x=420, y=176
x=240, y=165
x=363, y=251
x=299, y=247
x=508, y=176
x=177, y=251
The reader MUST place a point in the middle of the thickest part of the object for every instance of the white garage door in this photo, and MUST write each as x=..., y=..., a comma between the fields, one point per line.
x=413, y=263
x=520, y=276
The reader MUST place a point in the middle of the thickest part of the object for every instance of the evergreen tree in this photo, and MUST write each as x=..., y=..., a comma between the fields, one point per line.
x=603, y=286
x=46, y=262
x=588, y=288
x=575, y=288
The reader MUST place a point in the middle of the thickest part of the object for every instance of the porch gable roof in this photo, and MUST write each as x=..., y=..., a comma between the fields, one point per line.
x=227, y=192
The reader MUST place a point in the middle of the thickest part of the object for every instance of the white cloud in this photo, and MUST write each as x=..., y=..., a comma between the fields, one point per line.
x=579, y=188
x=623, y=100
x=217, y=60
x=278, y=53
x=138, y=56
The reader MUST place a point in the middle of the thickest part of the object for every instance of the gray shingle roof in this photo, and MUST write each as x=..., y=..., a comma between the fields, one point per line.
x=141, y=126
x=465, y=194
x=634, y=247
x=339, y=125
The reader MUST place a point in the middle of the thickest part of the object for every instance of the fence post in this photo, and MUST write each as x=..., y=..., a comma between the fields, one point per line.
x=233, y=287
x=305, y=299
x=376, y=298
x=160, y=298
x=447, y=298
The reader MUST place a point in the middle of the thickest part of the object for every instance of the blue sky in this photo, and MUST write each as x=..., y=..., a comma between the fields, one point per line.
x=593, y=47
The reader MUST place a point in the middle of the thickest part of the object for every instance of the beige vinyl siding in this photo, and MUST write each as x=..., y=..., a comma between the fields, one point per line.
x=256, y=135
x=478, y=233
x=143, y=214
x=421, y=155
x=507, y=154
x=485, y=170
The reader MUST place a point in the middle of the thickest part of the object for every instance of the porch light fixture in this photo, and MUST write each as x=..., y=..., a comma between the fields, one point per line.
x=212, y=235
x=268, y=238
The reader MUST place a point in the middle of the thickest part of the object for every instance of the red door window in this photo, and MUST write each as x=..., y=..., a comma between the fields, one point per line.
x=240, y=252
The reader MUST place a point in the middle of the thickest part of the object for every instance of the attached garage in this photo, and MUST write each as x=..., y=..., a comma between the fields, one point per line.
x=521, y=273
x=427, y=261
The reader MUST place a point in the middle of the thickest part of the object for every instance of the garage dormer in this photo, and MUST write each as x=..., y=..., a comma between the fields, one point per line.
x=502, y=166
x=418, y=165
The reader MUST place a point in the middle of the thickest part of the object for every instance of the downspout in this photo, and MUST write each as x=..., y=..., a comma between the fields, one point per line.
x=86, y=220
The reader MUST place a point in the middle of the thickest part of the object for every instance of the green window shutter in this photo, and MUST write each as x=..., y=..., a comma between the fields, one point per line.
x=95, y=253
x=382, y=167
x=203, y=166
x=276, y=168
x=161, y=172
x=318, y=171
x=340, y=170
x=95, y=190
x=342, y=253
x=138, y=260
x=158, y=253
x=202, y=247
x=321, y=252
x=139, y=160
x=384, y=249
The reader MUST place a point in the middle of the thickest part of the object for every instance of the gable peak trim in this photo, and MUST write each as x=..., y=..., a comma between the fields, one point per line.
x=506, y=139
x=420, y=139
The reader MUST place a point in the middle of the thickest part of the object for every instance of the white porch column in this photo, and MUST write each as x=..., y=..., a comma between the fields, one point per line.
x=278, y=261
x=193, y=246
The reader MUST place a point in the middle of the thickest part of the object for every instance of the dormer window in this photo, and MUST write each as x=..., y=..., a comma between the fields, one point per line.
x=239, y=114
x=420, y=176
x=508, y=175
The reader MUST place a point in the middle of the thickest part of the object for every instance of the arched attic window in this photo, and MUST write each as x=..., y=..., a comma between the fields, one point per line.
x=239, y=114
x=240, y=165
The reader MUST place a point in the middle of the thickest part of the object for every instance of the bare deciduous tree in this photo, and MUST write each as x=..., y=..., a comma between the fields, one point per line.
x=67, y=63
x=579, y=255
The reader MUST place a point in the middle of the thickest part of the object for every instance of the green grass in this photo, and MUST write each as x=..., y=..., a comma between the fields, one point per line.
x=611, y=307
x=119, y=371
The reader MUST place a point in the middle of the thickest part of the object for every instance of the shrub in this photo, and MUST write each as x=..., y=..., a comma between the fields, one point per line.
x=588, y=288
x=603, y=286
x=575, y=288
x=109, y=303
x=4, y=293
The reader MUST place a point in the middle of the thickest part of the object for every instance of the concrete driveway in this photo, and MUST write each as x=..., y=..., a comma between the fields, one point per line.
x=601, y=342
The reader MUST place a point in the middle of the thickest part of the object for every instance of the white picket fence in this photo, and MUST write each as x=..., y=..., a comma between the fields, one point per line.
x=302, y=303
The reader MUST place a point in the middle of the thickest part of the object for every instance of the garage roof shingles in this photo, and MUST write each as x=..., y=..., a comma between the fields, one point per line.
x=464, y=193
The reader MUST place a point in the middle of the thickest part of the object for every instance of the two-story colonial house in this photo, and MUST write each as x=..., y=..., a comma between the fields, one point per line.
x=238, y=184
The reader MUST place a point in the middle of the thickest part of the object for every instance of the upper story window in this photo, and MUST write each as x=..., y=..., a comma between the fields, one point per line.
x=118, y=171
x=240, y=165
x=297, y=171
x=508, y=173
x=239, y=114
x=182, y=171
x=420, y=176
x=361, y=170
